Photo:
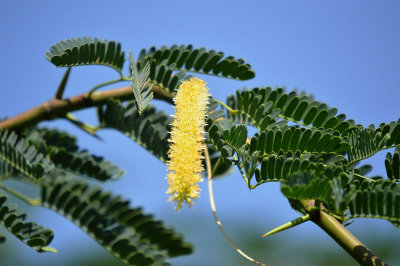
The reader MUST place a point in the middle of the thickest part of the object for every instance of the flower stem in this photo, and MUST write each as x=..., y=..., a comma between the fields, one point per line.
x=214, y=211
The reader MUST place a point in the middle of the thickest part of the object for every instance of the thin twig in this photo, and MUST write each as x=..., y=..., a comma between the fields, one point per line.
x=56, y=108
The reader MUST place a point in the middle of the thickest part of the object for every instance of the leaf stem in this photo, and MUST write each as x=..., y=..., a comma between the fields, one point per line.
x=364, y=177
x=121, y=78
x=234, y=112
x=32, y=202
x=294, y=121
x=241, y=171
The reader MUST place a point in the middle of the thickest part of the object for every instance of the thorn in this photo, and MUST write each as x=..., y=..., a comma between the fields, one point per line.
x=288, y=225
x=63, y=84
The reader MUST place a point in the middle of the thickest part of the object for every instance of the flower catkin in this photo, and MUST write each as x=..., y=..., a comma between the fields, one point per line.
x=187, y=142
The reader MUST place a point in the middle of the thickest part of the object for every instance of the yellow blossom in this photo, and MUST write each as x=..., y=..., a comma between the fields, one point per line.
x=187, y=142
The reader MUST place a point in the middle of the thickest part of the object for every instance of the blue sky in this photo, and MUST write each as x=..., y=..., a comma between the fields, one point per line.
x=345, y=53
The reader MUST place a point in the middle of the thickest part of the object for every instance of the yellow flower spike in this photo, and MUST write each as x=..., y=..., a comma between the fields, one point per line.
x=187, y=142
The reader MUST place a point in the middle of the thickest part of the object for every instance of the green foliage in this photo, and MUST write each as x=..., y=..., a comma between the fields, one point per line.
x=64, y=153
x=392, y=164
x=220, y=164
x=307, y=185
x=6, y=170
x=379, y=199
x=150, y=129
x=366, y=142
x=299, y=139
x=132, y=236
x=300, y=142
x=21, y=156
x=86, y=51
x=166, y=78
x=186, y=58
x=281, y=166
x=227, y=137
x=309, y=158
x=261, y=107
x=33, y=235
x=140, y=85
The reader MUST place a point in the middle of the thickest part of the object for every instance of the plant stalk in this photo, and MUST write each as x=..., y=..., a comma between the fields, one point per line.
x=58, y=108
x=345, y=239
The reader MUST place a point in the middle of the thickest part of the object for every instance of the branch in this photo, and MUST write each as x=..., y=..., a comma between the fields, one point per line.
x=58, y=108
x=345, y=239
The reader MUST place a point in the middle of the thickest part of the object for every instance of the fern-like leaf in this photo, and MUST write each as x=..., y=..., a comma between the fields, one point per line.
x=224, y=132
x=166, y=78
x=306, y=185
x=86, y=51
x=23, y=157
x=259, y=106
x=84, y=163
x=33, y=235
x=6, y=170
x=392, y=130
x=299, y=139
x=185, y=58
x=278, y=167
x=366, y=142
x=149, y=130
x=392, y=164
x=132, y=236
x=141, y=86
x=379, y=199
x=220, y=164
x=64, y=153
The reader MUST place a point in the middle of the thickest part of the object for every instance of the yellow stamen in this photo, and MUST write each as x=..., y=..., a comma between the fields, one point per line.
x=187, y=142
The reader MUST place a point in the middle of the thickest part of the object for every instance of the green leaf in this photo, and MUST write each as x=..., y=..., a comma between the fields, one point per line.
x=23, y=157
x=86, y=51
x=84, y=163
x=141, y=86
x=226, y=137
x=280, y=166
x=185, y=58
x=300, y=139
x=6, y=170
x=150, y=130
x=365, y=142
x=378, y=199
x=166, y=77
x=306, y=185
x=64, y=153
x=220, y=165
x=253, y=107
x=13, y=219
x=127, y=233
x=392, y=164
